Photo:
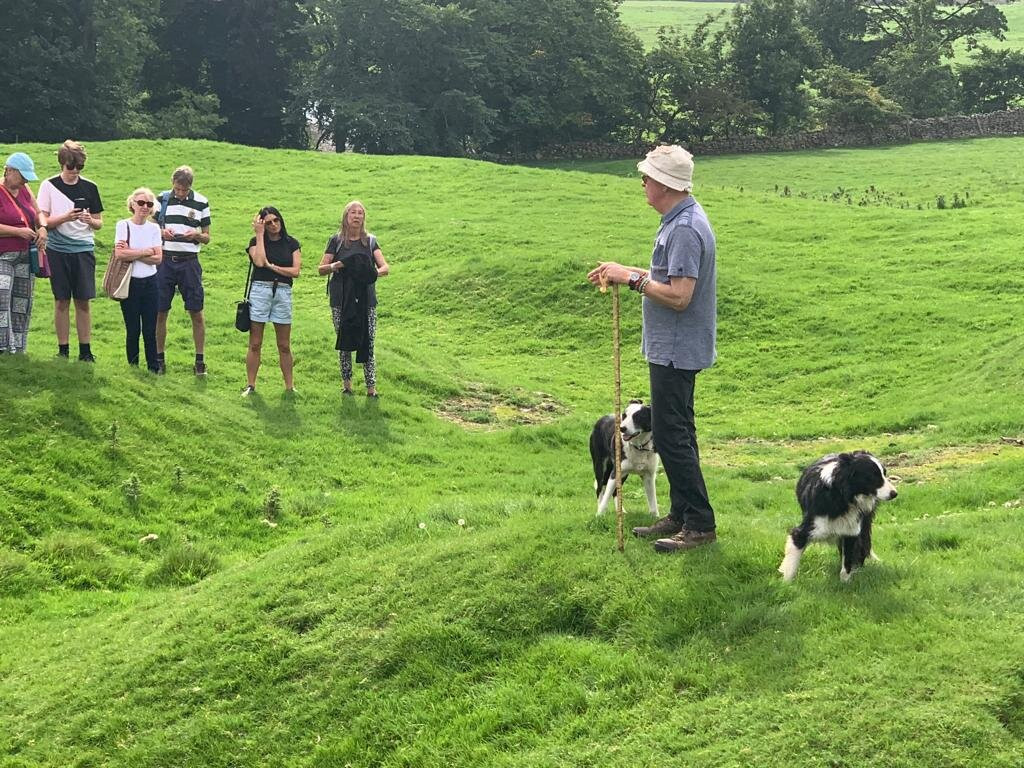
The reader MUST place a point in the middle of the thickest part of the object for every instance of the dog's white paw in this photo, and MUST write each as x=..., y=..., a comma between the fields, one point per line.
x=844, y=575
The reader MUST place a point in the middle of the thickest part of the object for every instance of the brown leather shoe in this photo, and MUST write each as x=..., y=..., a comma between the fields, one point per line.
x=685, y=540
x=666, y=526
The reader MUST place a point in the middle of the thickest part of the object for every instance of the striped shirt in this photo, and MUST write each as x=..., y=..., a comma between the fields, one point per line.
x=189, y=215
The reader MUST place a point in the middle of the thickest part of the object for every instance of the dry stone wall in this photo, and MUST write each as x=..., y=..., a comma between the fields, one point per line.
x=1004, y=123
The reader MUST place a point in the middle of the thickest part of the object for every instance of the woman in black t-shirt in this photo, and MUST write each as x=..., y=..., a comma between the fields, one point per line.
x=353, y=242
x=277, y=258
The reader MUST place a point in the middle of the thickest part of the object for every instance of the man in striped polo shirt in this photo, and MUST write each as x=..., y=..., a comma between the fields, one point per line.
x=184, y=218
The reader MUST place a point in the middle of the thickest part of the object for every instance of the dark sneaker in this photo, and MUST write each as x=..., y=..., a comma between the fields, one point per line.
x=248, y=390
x=666, y=526
x=199, y=369
x=685, y=540
x=88, y=357
x=161, y=368
x=62, y=353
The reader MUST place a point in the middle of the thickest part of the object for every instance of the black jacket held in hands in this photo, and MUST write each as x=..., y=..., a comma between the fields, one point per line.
x=347, y=290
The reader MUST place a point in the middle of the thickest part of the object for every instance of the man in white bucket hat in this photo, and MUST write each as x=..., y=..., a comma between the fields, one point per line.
x=680, y=317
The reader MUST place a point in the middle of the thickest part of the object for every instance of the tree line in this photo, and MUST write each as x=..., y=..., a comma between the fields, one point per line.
x=488, y=76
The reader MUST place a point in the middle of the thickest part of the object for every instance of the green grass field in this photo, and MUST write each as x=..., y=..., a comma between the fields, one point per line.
x=645, y=17
x=428, y=585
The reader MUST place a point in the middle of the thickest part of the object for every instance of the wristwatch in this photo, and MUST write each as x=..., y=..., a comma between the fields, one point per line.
x=634, y=279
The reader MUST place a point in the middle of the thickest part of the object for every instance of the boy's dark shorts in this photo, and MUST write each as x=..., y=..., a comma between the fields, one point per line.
x=73, y=275
x=185, y=276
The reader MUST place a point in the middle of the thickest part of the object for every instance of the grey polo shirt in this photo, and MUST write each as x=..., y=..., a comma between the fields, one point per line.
x=683, y=247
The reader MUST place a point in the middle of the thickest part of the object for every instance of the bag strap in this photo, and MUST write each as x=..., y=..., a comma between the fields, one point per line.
x=248, y=277
x=162, y=217
x=17, y=206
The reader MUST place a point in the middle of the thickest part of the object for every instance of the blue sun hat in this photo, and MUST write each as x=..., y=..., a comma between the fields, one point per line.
x=23, y=164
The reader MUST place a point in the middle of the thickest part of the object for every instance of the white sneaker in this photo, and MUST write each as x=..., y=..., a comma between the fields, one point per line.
x=248, y=390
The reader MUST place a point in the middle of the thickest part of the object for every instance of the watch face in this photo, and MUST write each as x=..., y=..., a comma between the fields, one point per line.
x=634, y=276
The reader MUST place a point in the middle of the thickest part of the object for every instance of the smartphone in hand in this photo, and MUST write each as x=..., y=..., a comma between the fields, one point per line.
x=80, y=204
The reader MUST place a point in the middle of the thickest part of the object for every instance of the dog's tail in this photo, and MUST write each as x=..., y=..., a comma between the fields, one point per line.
x=603, y=465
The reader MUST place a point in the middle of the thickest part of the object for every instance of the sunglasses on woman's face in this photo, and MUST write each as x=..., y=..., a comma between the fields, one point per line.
x=270, y=220
x=146, y=203
x=75, y=166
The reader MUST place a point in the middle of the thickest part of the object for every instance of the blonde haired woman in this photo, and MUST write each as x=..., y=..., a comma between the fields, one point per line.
x=354, y=261
x=138, y=240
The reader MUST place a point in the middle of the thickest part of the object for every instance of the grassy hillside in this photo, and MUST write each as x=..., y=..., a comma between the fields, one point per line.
x=428, y=585
x=645, y=17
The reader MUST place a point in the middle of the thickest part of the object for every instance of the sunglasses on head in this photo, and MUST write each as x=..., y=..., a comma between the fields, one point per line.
x=74, y=166
x=147, y=203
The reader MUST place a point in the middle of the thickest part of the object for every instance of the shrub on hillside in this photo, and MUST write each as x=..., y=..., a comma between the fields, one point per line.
x=79, y=562
x=19, y=575
x=183, y=565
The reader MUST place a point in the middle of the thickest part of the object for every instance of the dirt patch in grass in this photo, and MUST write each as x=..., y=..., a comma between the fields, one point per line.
x=485, y=408
x=917, y=465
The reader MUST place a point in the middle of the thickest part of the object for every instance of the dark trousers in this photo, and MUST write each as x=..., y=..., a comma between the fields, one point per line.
x=675, y=436
x=139, y=311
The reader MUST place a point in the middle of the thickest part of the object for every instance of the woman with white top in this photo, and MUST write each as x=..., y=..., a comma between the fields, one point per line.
x=138, y=240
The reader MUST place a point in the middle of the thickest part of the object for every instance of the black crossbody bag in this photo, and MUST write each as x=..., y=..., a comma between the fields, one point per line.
x=242, y=321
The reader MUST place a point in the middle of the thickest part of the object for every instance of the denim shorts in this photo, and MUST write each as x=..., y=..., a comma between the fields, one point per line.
x=268, y=305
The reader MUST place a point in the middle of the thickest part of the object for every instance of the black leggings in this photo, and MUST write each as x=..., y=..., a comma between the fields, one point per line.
x=139, y=311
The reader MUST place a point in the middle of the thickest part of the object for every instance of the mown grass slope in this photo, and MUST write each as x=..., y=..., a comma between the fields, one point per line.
x=426, y=589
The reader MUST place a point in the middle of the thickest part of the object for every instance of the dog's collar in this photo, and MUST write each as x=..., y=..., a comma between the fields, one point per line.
x=644, y=447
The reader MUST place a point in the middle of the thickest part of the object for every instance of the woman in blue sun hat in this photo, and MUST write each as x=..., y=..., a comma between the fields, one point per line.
x=20, y=231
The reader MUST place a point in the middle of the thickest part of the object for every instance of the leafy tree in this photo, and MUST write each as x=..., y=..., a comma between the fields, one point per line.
x=692, y=91
x=915, y=75
x=400, y=76
x=905, y=22
x=496, y=75
x=248, y=54
x=840, y=26
x=771, y=52
x=557, y=70
x=993, y=80
x=76, y=68
x=848, y=101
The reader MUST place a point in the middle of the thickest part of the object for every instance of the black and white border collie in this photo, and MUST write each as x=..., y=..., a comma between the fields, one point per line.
x=638, y=454
x=838, y=495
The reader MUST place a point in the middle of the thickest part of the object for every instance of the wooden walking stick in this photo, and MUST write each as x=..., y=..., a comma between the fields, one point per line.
x=617, y=358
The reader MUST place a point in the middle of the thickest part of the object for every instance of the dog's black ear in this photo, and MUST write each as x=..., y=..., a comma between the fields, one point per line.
x=634, y=401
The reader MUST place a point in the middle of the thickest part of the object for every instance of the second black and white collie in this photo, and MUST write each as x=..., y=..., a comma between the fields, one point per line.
x=638, y=454
x=838, y=495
